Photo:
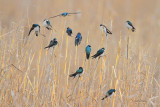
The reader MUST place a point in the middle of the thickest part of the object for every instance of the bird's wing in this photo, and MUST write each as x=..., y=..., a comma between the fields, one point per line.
x=99, y=52
x=39, y=28
x=79, y=71
x=110, y=92
x=76, y=42
x=50, y=44
x=130, y=24
x=75, y=13
x=80, y=39
x=108, y=31
x=88, y=50
x=55, y=43
x=30, y=30
x=48, y=23
x=73, y=75
x=70, y=30
x=54, y=16
x=104, y=26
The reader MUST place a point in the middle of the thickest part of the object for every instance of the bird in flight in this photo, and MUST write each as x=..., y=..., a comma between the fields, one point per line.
x=47, y=24
x=130, y=26
x=36, y=28
x=109, y=93
x=53, y=43
x=78, y=72
x=78, y=39
x=65, y=14
x=99, y=53
x=69, y=31
x=88, y=51
x=105, y=30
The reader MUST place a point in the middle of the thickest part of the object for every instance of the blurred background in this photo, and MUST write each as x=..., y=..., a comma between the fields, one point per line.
x=33, y=76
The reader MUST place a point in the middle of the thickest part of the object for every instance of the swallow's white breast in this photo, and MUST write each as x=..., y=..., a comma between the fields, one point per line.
x=104, y=29
x=36, y=29
x=45, y=23
x=128, y=26
x=102, y=54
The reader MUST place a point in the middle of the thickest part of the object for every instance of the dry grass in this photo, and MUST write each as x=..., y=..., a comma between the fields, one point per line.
x=32, y=76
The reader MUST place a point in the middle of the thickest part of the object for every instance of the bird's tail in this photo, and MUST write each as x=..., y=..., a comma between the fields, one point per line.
x=73, y=75
x=36, y=33
x=133, y=29
x=76, y=43
x=70, y=34
x=104, y=97
x=29, y=33
x=94, y=56
x=87, y=56
x=46, y=47
x=49, y=28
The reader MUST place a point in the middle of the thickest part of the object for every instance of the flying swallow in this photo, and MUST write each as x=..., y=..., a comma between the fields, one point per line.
x=88, y=51
x=69, y=31
x=53, y=43
x=78, y=39
x=105, y=30
x=47, y=24
x=109, y=93
x=78, y=72
x=99, y=53
x=130, y=26
x=64, y=14
x=36, y=28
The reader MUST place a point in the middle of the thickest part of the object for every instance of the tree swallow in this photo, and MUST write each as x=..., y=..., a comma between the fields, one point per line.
x=53, y=43
x=99, y=53
x=88, y=51
x=78, y=72
x=65, y=14
x=36, y=28
x=69, y=31
x=47, y=24
x=105, y=30
x=130, y=26
x=109, y=93
x=78, y=39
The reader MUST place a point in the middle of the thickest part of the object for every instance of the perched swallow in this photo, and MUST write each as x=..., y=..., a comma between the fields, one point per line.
x=36, y=28
x=78, y=72
x=78, y=39
x=47, y=24
x=99, y=53
x=65, y=14
x=53, y=43
x=109, y=93
x=88, y=51
x=105, y=30
x=130, y=26
x=69, y=31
